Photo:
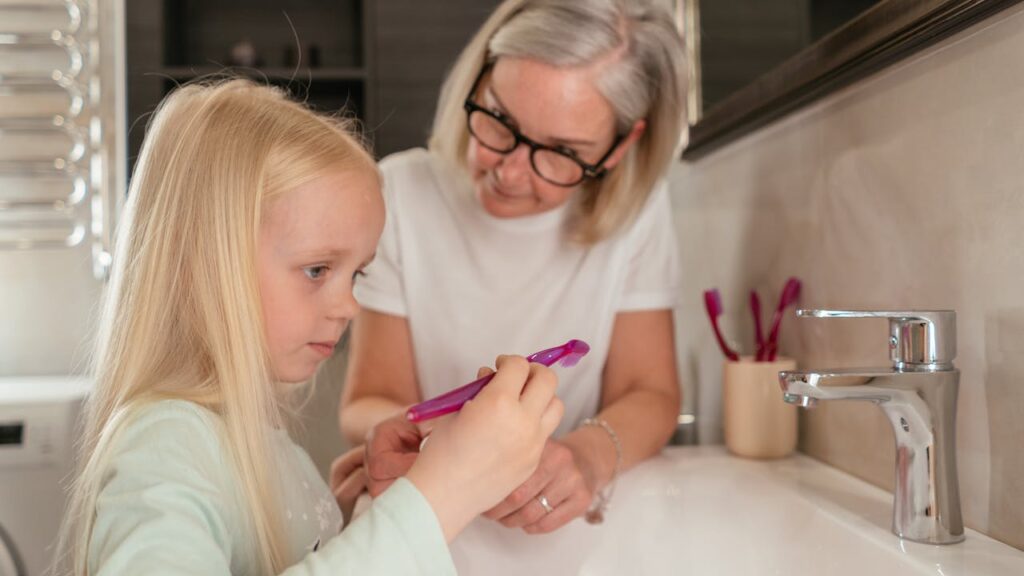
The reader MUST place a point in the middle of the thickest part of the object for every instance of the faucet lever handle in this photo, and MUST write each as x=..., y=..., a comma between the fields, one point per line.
x=917, y=338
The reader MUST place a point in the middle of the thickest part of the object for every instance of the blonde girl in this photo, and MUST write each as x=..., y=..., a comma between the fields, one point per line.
x=248, y=220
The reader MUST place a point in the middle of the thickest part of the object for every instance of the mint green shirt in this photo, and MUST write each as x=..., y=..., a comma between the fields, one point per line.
x=170, y=503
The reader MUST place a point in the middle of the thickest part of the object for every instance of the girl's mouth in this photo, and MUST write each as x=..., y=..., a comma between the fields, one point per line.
x=325, y=349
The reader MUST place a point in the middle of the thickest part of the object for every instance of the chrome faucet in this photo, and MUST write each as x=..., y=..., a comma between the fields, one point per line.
x=918, y=395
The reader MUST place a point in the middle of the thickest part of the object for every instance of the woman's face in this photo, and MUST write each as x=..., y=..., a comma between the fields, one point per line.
x=552, y=106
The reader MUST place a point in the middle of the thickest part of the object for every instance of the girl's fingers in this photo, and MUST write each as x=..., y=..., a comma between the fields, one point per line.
x=539, y=389
x=510, y=377
x=552, y=416
x=344, y=465
x=348, y=492
x=483, y=371
x=378, y=487
x=533, y=385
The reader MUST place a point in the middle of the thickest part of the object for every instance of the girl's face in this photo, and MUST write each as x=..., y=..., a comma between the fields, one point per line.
x=553, y=106
x=314, y=241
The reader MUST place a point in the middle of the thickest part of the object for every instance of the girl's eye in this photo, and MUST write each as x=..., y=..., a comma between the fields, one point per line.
x=314, y=272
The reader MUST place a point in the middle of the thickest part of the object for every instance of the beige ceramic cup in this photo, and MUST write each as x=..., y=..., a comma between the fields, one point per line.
x=758, y=424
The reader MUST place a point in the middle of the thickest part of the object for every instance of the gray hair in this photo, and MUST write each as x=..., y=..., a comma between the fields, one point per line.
x=644, y=79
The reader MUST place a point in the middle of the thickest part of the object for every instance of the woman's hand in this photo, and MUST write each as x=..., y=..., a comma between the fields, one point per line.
x=558, y=482
x=391, y=449
x=348, y=480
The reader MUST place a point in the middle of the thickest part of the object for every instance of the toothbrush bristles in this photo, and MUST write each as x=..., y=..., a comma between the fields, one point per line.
x=577, y=349
x=570, y=360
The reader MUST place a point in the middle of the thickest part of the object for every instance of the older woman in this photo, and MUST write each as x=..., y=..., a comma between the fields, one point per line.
x=537, y=215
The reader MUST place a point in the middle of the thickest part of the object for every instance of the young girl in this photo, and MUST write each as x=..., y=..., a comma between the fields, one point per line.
x=248, y=221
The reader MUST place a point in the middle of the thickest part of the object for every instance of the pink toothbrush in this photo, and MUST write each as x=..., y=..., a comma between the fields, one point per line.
x=755, y=309
x=713, y=303
x=567, y=355
x=790, y=293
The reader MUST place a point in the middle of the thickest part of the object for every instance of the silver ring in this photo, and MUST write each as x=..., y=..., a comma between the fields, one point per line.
x=545, y=504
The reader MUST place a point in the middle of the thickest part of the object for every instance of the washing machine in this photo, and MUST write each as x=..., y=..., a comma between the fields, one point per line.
x=39, y=418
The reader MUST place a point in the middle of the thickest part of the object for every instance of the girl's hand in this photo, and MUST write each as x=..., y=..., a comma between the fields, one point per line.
x=474, y=459
x=559, y=481
x=348, y=480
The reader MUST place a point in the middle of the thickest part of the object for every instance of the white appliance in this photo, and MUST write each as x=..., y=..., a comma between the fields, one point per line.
x=38, y=427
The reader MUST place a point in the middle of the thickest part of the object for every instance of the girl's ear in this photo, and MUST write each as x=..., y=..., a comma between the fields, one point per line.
x=634, y=134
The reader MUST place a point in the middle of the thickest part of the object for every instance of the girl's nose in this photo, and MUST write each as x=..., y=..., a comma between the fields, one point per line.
x=514, y=169
x=343, y=305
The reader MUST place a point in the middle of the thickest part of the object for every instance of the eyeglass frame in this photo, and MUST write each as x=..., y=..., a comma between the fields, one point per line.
x=592, y=171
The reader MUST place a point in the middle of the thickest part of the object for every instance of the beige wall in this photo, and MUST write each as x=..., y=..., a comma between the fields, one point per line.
x=904, y=191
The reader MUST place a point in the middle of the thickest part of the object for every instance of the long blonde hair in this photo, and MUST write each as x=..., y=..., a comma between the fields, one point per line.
x=644, y=79
x=182, y=316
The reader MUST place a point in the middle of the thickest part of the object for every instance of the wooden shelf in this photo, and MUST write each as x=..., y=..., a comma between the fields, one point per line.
x=274, y=73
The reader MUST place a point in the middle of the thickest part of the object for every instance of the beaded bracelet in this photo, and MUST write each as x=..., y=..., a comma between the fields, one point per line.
x=595, y=515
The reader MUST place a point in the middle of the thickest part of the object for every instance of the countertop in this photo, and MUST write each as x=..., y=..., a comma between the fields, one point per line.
x=699, y=510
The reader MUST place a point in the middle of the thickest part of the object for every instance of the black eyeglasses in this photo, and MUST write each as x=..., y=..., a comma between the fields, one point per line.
x=557, y=165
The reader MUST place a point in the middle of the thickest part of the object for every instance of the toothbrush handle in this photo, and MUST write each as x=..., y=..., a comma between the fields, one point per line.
x=755, y=309
x=453, y=400
x=728, y=352
x=448, y=402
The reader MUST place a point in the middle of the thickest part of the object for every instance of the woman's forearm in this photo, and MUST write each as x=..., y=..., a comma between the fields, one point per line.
x=358, y=416
x=643, y=421
x=381, y=377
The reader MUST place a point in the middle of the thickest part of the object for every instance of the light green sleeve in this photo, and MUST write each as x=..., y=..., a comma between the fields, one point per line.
x=162, y=508
x=398, y=534
x=167, y=507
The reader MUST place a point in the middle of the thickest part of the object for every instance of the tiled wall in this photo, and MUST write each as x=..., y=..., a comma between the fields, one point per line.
x=904, y=191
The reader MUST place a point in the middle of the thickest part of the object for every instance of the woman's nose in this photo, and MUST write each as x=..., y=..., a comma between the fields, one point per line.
x=514, y=168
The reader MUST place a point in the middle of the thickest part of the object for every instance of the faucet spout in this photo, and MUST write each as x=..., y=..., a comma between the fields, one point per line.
x=846, y=384
x=921, y=406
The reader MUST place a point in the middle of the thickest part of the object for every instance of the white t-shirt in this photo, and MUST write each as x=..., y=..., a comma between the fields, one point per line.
x=473, y=286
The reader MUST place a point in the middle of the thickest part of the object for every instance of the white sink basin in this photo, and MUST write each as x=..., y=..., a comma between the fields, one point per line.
x=698, y=510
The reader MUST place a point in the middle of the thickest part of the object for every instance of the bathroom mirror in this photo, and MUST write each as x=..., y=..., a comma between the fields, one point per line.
x=753, y=61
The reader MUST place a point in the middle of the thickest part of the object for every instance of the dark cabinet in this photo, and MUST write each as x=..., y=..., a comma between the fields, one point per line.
x=381, y=60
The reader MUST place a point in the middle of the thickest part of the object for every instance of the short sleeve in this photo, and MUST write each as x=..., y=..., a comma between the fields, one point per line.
x=652, y=270
x=381, y=287
x=159, y=509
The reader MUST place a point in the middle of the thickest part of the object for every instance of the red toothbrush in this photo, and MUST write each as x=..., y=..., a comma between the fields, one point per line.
x=713, y=304
x=790, y=294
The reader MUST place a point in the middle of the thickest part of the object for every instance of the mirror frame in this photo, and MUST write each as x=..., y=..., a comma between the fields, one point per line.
x=882, y=35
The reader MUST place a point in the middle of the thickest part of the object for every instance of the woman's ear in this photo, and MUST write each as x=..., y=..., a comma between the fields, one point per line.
x=620, y=151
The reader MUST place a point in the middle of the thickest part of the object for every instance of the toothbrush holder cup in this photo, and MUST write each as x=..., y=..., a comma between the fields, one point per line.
x=758, y=424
